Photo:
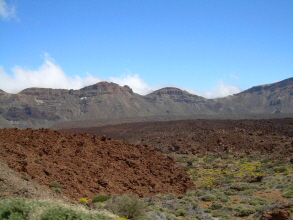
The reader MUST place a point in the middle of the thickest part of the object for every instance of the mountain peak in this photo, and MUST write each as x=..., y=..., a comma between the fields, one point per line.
x=173, y=91
x=175, y=94
x=107, y=87
x=98, y=88
x=169, y=91
x=271, y=87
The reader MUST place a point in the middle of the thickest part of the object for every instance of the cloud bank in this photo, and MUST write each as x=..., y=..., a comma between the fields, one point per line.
x=48, y=75
x=134, y=82
x=51, y=75
x=221, y=89
x=7, y=11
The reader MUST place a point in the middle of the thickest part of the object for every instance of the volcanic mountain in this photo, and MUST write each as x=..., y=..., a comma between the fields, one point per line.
x=268, y=98
x=103, y=101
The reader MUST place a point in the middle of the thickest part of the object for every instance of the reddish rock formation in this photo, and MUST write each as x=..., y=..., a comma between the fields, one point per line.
x=276, y=214
x=271, y=137
x=87, y=165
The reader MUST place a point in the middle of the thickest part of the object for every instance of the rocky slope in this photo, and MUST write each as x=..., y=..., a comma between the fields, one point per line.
x=273, y=137
x=13, y=184
x=38, y=107
x=174, y=101
x=88, y=165
x=270, y=98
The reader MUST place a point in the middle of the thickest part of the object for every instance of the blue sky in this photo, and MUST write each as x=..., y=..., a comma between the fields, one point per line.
x=210, y=48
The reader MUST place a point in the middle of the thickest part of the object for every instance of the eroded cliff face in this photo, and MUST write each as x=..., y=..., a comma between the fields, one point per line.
x=175, y=101
x=272, y=98
x=174, y=94
x=39, y=107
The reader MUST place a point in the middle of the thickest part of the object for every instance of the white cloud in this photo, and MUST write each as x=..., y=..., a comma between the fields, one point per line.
x=7, y=11
x=51, y=75
x=48, y=75
x=220, y=90
x=134, y=82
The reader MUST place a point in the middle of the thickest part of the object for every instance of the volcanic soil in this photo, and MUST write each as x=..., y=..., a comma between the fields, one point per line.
x=88, y=165
x=273, y=137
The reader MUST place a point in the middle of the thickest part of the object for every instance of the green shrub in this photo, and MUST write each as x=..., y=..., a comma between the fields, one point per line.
x=186, y=199
x=288, y=193
x=14, y=209
x=191, y=193
x=181, y=212
x=230, y=192
x=23, y=209
x=227, y=179
x=57, y=190
x=208, y=210
x=209, y=159
x=245, y=212
x=248, y=192
x=216, y=182
x=216, y=205
x=100, y=198
x=280, y=169
x=55, y=186
x=266, y=160
x=200, y=193
x=191, y=160
x=224, y=156
x=216, y=214
x=194, y=205
x=209, y=198
x=57, y=213
x=186, y=168
x=256, y=201
x=220, y=195
x=223, y=198
x=240, y=186
x=127, y=206
x=69, y=213
x=278, y=163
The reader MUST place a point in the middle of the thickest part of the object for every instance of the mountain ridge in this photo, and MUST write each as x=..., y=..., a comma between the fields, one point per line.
x=44, y=107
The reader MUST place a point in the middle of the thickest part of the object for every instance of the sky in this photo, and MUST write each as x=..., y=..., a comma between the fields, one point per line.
x=211, y=48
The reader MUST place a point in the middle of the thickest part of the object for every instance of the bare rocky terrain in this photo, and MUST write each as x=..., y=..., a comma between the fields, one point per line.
x=87, y=165
x=139, y=158
x=103, y=101
x=165, y=147
x=273, y=137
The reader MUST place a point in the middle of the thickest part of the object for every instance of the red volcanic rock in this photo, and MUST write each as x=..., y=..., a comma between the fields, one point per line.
x=87, y=165
x=272, y=137
x=276, y=214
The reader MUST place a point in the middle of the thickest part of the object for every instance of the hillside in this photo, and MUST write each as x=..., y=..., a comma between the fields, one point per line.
x=38, y=107
x=275, y=98
x=272, y=137
x=242, y=169
x=87, y=165
x=101, y=102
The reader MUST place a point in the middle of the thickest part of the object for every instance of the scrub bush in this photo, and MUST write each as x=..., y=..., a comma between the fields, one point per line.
x=100, y=198
x=127, y=206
